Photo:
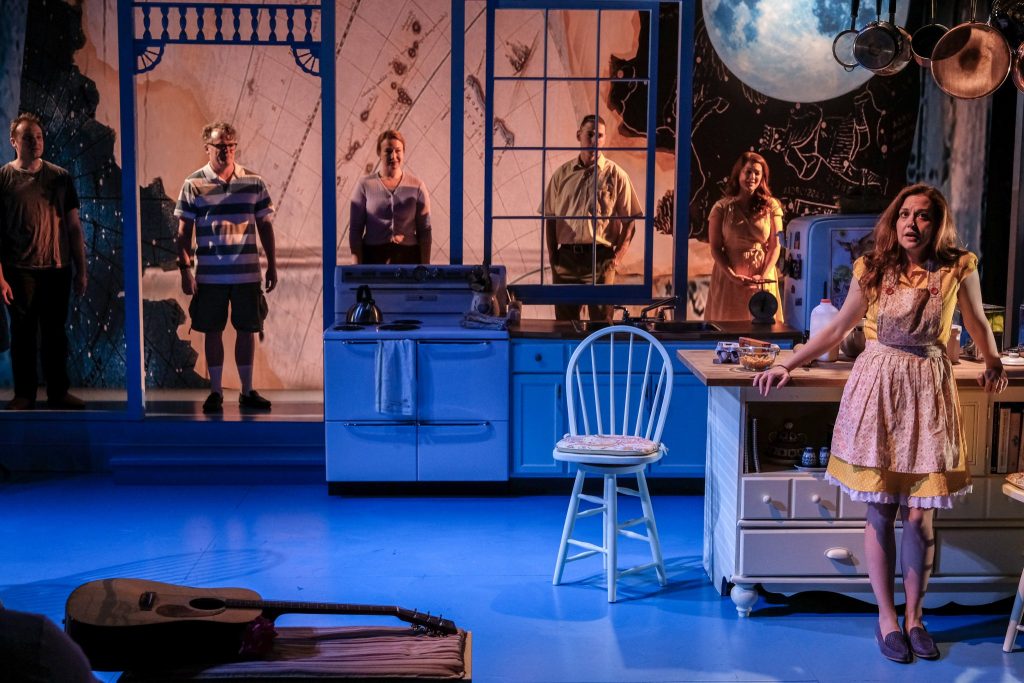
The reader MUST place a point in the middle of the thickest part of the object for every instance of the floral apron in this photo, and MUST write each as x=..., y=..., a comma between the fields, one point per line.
x=900, y=411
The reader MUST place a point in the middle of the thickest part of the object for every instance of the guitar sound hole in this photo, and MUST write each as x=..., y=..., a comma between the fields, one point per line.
x=208, y=604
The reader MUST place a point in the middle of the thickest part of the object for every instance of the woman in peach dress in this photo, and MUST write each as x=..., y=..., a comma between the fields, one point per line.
x=898, y=444
x=743, y=232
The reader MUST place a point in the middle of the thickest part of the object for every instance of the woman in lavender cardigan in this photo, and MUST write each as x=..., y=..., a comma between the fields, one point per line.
x=390, y=217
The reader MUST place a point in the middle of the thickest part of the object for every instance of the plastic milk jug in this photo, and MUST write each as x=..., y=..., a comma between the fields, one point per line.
x=821, y=316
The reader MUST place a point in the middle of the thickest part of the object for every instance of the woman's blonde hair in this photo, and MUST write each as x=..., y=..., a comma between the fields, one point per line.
x=888, y=256
x=389, y=134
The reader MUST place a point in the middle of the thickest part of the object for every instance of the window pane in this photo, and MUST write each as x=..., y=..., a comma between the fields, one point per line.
x=519, y=43
x=572, y=43
x=517, y=183
x=624, y=109
x=568, y=103
x=517, y=245
x=518, y=114
x=620, y=43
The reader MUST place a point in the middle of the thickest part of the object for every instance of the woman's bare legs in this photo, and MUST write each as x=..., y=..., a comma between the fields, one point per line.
x=917, y=554
x=880, y=549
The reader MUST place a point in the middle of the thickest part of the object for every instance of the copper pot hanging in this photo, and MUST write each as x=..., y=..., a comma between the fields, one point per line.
x=1017, y=71
x=971, y=60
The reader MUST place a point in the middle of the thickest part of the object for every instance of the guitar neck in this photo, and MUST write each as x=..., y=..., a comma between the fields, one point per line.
x=284, y=606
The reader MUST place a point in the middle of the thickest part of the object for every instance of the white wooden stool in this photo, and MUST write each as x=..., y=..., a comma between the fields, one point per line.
x=633, y=383
x=1017, y=613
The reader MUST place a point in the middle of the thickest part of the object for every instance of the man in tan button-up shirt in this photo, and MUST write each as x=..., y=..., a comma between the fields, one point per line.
x=572, y=242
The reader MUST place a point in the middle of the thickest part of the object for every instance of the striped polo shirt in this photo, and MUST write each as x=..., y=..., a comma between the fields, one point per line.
x=225, y=216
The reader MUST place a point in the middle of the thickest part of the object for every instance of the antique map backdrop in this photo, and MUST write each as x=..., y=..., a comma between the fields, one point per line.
x=393, y=70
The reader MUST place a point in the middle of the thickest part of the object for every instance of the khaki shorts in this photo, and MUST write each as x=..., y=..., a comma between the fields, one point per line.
x=209, y=307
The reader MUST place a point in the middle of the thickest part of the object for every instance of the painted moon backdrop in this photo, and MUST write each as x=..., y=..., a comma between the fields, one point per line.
x=783, y=48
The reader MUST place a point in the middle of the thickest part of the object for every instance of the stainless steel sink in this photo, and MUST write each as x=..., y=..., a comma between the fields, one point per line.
x=682, y=326
x=588, y=326
x=656, y=326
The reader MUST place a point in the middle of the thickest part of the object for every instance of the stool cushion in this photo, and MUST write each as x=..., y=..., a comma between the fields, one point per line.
x=607, y=444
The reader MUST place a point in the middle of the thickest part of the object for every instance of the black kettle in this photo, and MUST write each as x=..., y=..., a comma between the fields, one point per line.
x=363, y=311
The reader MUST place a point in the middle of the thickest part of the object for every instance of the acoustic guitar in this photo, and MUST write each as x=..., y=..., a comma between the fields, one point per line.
x=132, y=623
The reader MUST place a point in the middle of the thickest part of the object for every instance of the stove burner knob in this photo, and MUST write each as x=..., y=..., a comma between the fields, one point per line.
x=420, y=273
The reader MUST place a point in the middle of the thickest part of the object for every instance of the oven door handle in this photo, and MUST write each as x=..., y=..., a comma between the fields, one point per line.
x=483, y=423
x=453, y=342
x=381, y=423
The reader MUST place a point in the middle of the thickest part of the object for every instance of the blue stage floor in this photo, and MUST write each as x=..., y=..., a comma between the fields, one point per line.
x=483, y=562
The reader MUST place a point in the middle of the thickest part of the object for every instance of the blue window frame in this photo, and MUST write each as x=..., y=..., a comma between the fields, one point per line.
x=543, y=83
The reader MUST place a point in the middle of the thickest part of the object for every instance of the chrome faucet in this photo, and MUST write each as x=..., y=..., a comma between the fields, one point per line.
x=660, y=303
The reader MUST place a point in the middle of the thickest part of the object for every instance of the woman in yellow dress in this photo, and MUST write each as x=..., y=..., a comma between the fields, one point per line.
x=743, y=232
x=898, y=444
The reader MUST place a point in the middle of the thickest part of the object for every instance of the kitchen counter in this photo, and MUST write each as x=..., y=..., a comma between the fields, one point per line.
x=730, y=331
x=775, y=526
x=818, y=374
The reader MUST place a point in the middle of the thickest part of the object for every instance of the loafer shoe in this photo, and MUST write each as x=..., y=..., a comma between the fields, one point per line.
x=21, y=403
x=922, y=644
x=66, y=402
x=893, y=646
x=253, y=400
x=214, y=403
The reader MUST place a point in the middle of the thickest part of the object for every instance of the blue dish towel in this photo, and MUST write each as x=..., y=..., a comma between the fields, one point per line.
x=395, y=377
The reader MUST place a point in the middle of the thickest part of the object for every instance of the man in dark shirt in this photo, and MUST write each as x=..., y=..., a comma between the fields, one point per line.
x=40, y=239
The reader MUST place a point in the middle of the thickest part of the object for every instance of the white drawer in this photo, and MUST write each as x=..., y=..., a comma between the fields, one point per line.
x=370, y=451
x=765, y=498
x=463, y=452
x=802, y=552
x=851, y=509
x=979, y=552
x=813, y=498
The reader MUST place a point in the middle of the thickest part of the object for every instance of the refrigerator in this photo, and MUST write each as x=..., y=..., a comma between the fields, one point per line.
x=820, y=251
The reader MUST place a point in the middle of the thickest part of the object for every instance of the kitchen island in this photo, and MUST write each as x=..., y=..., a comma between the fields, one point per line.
x=772, y=525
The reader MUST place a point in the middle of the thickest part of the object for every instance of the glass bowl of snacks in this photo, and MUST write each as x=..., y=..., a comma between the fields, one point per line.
x=757, y=358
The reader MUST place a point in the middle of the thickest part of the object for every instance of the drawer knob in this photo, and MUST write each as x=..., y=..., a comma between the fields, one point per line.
x=766, y=499
x=538, y=358
x=815, y=499
x=839, y=554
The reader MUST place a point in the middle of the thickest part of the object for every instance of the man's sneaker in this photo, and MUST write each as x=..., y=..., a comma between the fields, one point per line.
x=214, y=403
x=253, y=400
x=21, y=403
x=66, y=402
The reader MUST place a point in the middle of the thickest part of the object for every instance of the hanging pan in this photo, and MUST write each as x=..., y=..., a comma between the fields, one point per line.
x=842, y=46
x=922, y=43
x=1018, y=68
x=882, y=46
x=971, y=60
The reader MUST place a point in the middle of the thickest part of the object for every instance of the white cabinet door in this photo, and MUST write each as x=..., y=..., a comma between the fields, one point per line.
x=463, y=380
x=474, y=451
x=349, y=381
x=371, y=451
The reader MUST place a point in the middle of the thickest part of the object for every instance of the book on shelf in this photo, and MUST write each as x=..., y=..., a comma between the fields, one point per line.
x=1013, y=443
x=1020, y=448
x=1001, y=446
